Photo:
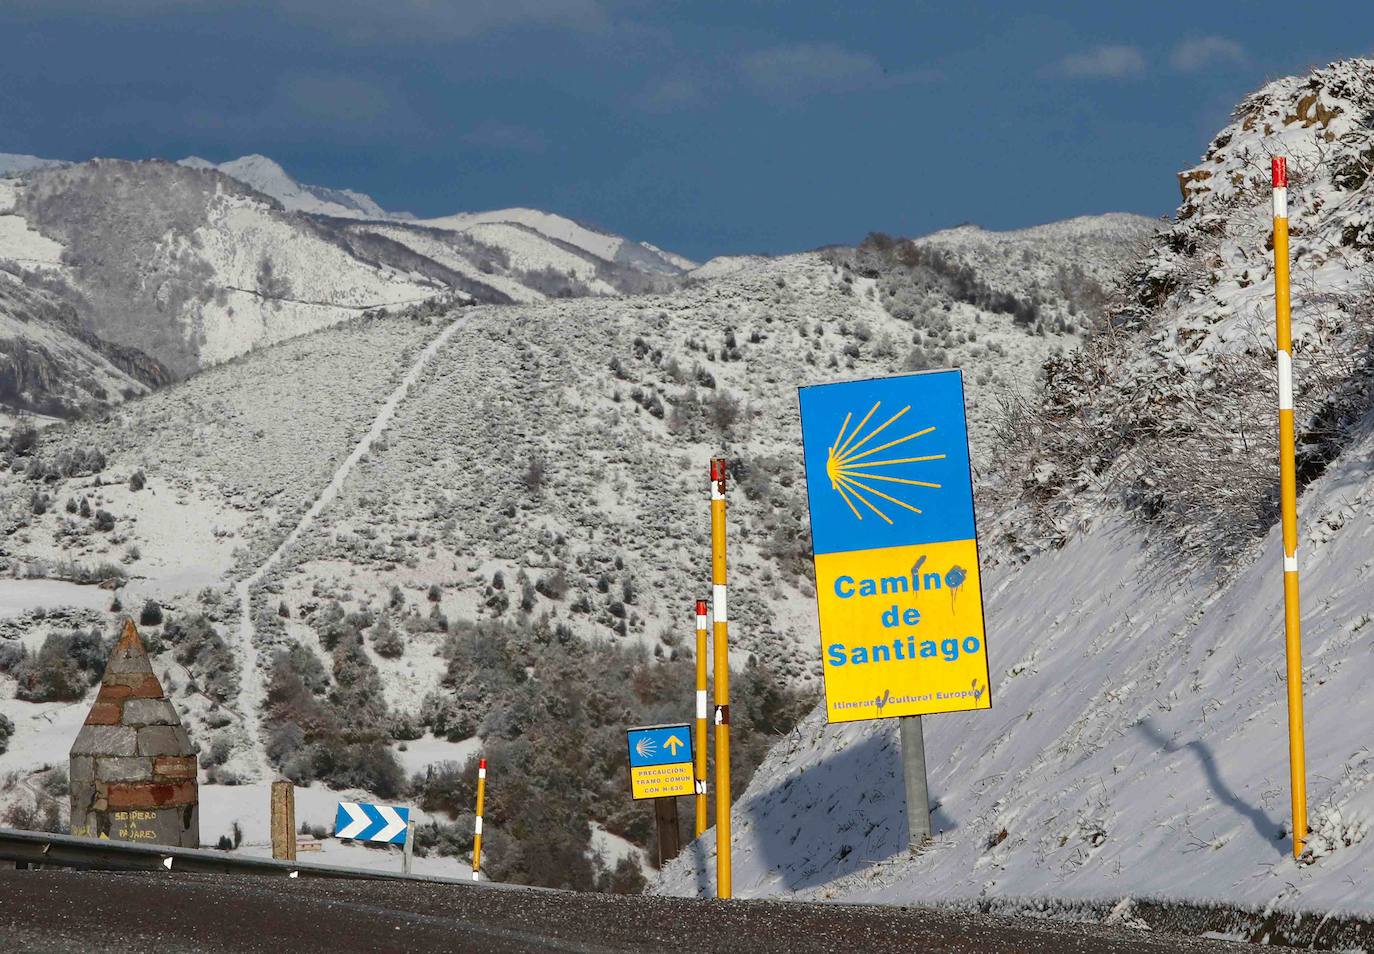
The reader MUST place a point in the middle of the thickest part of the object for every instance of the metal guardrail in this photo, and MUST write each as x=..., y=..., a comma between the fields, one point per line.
x=98, y=854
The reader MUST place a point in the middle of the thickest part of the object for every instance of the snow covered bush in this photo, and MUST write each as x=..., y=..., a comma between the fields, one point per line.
x=558, y=707
x=198, y=646
x=151, y=614
x=63, y=669
x=6, y=730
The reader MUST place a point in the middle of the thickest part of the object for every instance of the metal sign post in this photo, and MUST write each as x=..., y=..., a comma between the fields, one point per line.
x=724, y=887
x=477, y=822
x=914, y=773
x=1288, y=499
x=408, y=849
x=699, y=742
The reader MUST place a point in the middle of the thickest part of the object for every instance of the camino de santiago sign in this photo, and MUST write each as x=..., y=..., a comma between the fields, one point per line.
x=896, y=550
x=660, y=761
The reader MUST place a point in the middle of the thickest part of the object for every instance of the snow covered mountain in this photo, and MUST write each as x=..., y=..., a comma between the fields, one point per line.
x=193, y=264
x=371, y=503
x=269, y=178
x=534, y=240
x=1137, y=741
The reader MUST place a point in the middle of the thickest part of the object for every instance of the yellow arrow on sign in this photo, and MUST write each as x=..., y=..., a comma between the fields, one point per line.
x=673, y=743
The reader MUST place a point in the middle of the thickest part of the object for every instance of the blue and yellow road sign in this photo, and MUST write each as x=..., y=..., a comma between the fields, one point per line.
x=896, y=549
x=660, y=761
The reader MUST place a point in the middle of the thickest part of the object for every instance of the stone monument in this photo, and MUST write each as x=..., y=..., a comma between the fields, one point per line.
x=133, y=771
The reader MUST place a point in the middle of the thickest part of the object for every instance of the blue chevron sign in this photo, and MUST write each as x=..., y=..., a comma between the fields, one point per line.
x=363, y=822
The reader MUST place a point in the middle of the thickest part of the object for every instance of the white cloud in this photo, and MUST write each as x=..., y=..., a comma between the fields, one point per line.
x=1198, y=53
x=809, y=67
x=1113, y=61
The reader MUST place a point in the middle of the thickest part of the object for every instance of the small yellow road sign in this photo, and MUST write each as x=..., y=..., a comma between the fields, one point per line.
x=661, y=761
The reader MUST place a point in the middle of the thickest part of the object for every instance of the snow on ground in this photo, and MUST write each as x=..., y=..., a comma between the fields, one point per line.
x=320, y=282
x=432, y=246
x=13, y=163
x=1137, y=743
x=531, y=251
x=19, y=242
x=43, y=734
x=612, y=848
x=269, y=178
x=253, y=691
x=601, y=244
x=22, y=596
x=726, y=265
x=419, y=754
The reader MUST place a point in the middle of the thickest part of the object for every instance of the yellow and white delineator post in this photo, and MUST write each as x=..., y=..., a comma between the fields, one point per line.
x=1288, y=497
x=477, y=823
x=699, y=747
x=722, y=678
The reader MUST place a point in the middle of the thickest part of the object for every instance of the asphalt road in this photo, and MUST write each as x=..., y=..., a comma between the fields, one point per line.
x=71, y=911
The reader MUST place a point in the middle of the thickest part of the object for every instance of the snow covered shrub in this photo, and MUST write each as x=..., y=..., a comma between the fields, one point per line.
x=386, y=641
x=63, y=669
x=625, y=878
x=340, y=738
x=137, y=481
x=104, y=521
x=558, y=707
x=23, y=438
x=198, y=646
x=553, y=584
x=6, y=730
x=11, y=652
x=151, y=614
x=43, y=814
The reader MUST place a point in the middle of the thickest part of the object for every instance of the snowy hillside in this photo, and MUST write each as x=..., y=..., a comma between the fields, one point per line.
x=396, y=489
x=1137, y=741
x=51, y=366
x=527, y=240
x=188, y=265
x=602, y=245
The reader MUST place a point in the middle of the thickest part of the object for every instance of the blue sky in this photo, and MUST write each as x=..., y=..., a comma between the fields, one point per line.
x=706, y=128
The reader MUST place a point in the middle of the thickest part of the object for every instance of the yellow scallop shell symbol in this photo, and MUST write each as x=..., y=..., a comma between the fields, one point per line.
x=849, y=470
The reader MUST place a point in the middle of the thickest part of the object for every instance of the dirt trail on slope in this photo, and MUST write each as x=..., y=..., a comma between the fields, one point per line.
x=253, y=689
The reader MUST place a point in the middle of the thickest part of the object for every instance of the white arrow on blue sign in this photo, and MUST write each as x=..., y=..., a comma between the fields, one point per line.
x=364, y=822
